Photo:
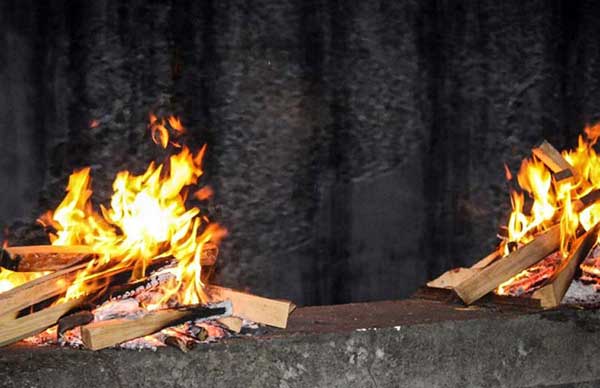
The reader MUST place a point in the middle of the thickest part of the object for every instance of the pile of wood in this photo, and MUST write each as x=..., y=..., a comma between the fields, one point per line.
x=31, y=308
x=471, y=284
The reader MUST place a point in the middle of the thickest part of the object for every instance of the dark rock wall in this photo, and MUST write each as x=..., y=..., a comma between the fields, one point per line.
x=355, y=148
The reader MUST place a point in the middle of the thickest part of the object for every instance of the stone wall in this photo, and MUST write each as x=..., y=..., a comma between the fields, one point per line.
x=355, y=148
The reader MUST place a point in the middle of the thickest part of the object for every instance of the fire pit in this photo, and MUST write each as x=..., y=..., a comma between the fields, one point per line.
x=134, y=273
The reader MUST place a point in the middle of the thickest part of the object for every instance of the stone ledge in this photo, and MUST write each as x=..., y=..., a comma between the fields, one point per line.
x=415, y=343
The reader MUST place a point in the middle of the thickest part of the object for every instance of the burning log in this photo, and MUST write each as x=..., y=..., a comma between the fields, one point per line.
x=15, y=330
x=38, y=258
x=552, y=293
x=37, y=290
x=103, y=334
x=503, y=269
x=552, y=158
x=267, y=311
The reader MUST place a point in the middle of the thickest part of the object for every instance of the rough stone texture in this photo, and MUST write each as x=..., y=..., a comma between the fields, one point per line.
x=411, y=343
x=355, y=149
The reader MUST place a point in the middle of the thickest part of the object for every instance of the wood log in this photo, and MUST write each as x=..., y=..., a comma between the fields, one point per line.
x=71, y=321
x=52, y=285
x=103, y=334
x=272, y=312
x=503, y=269
x=551, y=294
x=37, y=290
x=452, y=278
x=231, y=323
x=552, y=158
x=38, y=258
x=32, y=324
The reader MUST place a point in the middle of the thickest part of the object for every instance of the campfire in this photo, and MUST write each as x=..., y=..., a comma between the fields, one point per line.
x=135, y=272
x=551, y=233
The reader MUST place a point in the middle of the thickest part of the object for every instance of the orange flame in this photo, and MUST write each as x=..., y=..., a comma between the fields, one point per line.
x=147, y=219
x=553, y=202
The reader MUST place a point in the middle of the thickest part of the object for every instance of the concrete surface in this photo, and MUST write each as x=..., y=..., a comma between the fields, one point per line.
x=412, y=343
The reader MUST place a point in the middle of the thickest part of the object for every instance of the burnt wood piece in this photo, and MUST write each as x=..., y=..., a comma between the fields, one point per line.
x=272, y=312
x=503, y=269
x=38, y=258
x=551, y=294
x=73, y=320
x=552, y=158
x=103, y=334
x=492, y=301
x=183, y=344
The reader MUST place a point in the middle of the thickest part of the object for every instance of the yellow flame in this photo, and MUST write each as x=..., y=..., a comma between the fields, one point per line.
x=554, y=201
x=147, y=219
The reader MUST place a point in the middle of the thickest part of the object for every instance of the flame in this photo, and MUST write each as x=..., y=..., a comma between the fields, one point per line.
x=147, y=219
x=541, y=202
x=10, y=279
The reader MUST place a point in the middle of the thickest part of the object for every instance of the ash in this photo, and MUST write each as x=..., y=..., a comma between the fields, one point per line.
x=585, y=295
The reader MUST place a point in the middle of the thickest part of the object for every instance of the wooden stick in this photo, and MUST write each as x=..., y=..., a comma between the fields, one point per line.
x=503, y=269
x=103, y=334
x=452, y=278
x=552, y=158
x=232, y=323
x=37, y=258
x=37, y=290
x=52, y=285
x=272, y=312
x=552, y=293
x=17, y=329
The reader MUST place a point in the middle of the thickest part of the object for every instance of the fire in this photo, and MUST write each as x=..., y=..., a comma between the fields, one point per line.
x=147, y=219
x=544, y=200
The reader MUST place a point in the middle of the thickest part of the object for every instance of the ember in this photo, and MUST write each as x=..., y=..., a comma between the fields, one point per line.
x=551, y=230
x=133, y=272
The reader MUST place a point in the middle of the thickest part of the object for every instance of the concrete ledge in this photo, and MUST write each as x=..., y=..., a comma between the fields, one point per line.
x=413, y=343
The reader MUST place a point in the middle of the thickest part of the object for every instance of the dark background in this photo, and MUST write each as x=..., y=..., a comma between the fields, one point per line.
x=356, y=148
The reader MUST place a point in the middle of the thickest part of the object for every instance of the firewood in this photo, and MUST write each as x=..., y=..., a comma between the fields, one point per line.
x=38, y=258
x=53, y=284
x=452, y=278
x=503, y=269
x=71, y=321
x=17, y=329
x=272, y=312
x=551, y=294
x=231, y=323
x=37, y=290
x=552, y=158
x=183, y=344
x=103, y=334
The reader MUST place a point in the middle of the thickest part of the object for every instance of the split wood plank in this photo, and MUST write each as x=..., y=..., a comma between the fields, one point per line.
x=272, y=312
x=452, y=278
x=103, y=334
x=552, y=158
x=552, y=293
x=503, y=269
x=38, y=258
x=232, y=323
x=15, y=330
